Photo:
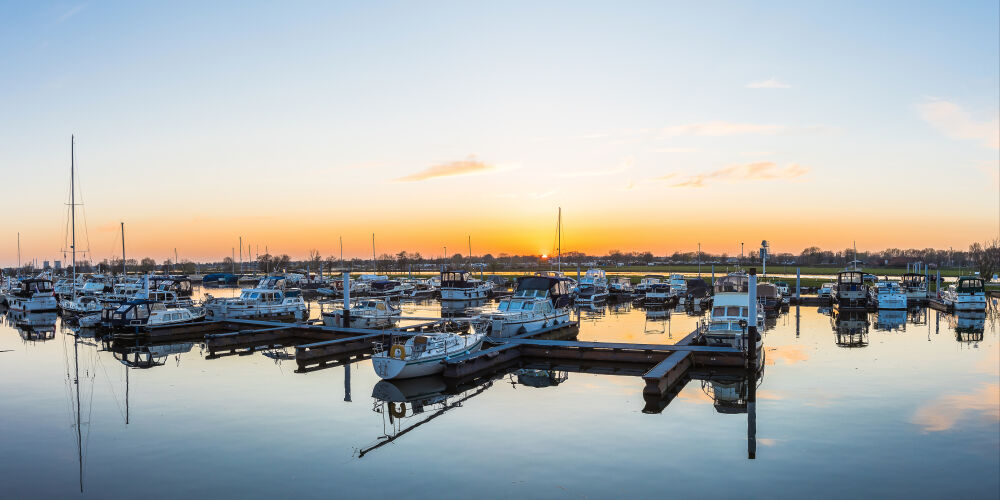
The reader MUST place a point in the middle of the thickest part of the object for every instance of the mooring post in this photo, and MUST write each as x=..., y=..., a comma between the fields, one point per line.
x=347, y=382
x=347, y=299
x=713, y=275
x=578, y=272
x=798, y=283
x=751, y=340
x=937, y=285
x=796, y=320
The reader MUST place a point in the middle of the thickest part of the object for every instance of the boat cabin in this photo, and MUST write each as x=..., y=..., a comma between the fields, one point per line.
x=734, y=283
x=261, y=295
x=455, y=279
x=134, y=313
x=557, y=289
x=970, y=285
x=32, y=286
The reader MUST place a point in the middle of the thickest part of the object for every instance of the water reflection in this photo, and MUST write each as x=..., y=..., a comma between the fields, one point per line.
x=890, y=320
x=33, y=326
x=851, y=327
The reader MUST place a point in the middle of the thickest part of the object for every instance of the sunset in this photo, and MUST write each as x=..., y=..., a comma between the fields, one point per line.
x=453, y=249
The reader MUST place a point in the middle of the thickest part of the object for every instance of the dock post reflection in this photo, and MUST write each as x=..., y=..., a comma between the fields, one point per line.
x=751, y=415
x=797, y=318
x=347, y=382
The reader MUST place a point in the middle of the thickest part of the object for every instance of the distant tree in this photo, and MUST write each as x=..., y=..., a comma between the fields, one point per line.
x=282, y=262
x=986, y=258
x=314, y=259
x=147, y=265
x=227, y=264
x=265, y=262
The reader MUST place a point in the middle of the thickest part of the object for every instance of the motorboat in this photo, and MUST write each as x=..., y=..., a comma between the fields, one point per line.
x=145, y=315
x=538, y=302
x=33, y=295
x=423, y=354
x=257, y=303
x=646, y=282
x=768, y=297
x=826, y=290
x=391, y=289
x=915, y=286
x=728, y=323
x=459, y=285
x=592, y=288
x=851, y=289
x=887, y=294
x=657, y=294
x=364, y=313
x=678, y=287
x=969, y=294
x=81, y=305
x=783, y=288
x=621, y=285
x=180, y=285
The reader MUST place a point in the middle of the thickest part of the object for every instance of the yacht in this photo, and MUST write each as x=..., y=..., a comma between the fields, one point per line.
x=727, y=325
x=168, y=298
x=646, y=282
x=81, y=305
x=851, y=289
x=657, y=294
x=123, y=292
x=458, y=285
x=621, y=285
x=33, y=295
x=538, y=302
x=146, y=315
x=364, y=313
x=392, y=289
x=678, y=287
x=423, y=354
x=888, y=295
x=180, y=285
x=593, y=288
x=267, y=300
x=969, y=294
x=915, y=286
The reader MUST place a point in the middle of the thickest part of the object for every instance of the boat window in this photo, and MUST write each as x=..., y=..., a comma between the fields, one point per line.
x=718, y=311
x=528, y=306
x=504, y=305
x=381, y=306
x=732, y=311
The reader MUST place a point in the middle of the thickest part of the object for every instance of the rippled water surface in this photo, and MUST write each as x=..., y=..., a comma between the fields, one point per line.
x=894, y=404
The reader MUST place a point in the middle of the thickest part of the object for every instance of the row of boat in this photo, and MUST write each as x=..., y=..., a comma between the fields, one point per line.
x=855, y=288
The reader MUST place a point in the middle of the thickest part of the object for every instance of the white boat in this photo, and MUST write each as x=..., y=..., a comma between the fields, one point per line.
x=538, y=302
x=364, y=313
x=256, y=303
x=174, y=316
x=826, y=290
x=658, y=294
x=678, y=287
x=81, y=305
x=168, y=298
x=458, y=285
x=123, y=292
x=888, y=295
x=621, y=285
x=592, y=288
x=730, y=313
x=915, y=286
x=390, y=289
x=646, y=282
x=969, y=294
x=33, y=295
x=851, y=289
x=423, y=354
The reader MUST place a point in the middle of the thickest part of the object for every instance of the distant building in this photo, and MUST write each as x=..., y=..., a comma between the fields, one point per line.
x=45, y=265
x=58, y=264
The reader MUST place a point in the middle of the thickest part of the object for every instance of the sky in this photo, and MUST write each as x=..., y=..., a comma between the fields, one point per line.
x=654, y=126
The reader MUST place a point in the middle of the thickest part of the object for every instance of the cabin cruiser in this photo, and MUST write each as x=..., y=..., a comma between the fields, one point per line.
x=888, y=295
x=657, y=294
x=593, y=288
x=389, y=288
x=678, y=287
x=538, y=302
x=180, y=285
x=81, y=305
x=646, y=282
x=621, y=285
x=33, y=295
x=123, y=292
x=728, y=323
x=65, y=288
x=768, y=297
x=268, y=299
x=168, y=298
x=851, y=289
x=364, y=313
x=969, y=294
x=418, y=289
x=423, y=354
x=782, y=288
x=915, y=286
x=458, y=285
x=826, y=290
x=145, y=315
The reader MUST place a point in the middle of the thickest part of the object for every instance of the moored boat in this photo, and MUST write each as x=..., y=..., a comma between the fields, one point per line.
x=969, y=294
x=422, y=354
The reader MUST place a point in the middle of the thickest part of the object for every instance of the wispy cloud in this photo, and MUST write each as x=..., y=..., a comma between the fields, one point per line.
x=462, y=167
x=718, y=128
x=770, y=83
x=761, y=170
x=943, y=413
x=955, y=122
x=72, y=11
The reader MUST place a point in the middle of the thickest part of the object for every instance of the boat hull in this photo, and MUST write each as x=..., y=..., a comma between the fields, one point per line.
x=34, y=304
x=503, y=327
x=476, y=293
x=389, y=368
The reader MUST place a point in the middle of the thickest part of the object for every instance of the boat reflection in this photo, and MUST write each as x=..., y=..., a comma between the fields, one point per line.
x=851, y=327
x=889, y=320
x=969, y=326
x=452, y=308
x=135, y=355
x=33, y=326
x=409, y=403
x=538, y=378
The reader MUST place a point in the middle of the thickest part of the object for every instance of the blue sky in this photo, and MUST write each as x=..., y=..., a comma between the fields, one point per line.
x=305, y=115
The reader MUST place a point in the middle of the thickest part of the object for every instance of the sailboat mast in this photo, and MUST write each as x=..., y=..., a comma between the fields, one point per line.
x=341, y=251
x=470, y=248
x=374, y=265
x=72, y=203
x=19, y=253
x=124, y=268
x=76, y=384
x=559, y=237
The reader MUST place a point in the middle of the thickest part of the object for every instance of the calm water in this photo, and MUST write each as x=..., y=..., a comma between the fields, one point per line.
x=912, y=407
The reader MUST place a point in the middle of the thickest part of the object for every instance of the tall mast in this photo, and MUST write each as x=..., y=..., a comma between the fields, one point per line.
x=124, y=268
x=19, y=253
x=72, y=203
x=470, y=249
x=559, y=236
x=374, y=266
x=241, y=255
x=341, y=252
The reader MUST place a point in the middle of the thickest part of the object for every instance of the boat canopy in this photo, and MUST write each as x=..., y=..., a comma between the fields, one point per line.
x=970, y=284
x=857, y=277
x=734, y=283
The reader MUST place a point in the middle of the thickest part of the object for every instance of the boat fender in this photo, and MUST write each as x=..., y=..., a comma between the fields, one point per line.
x=397, y=411
x=397, y=351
